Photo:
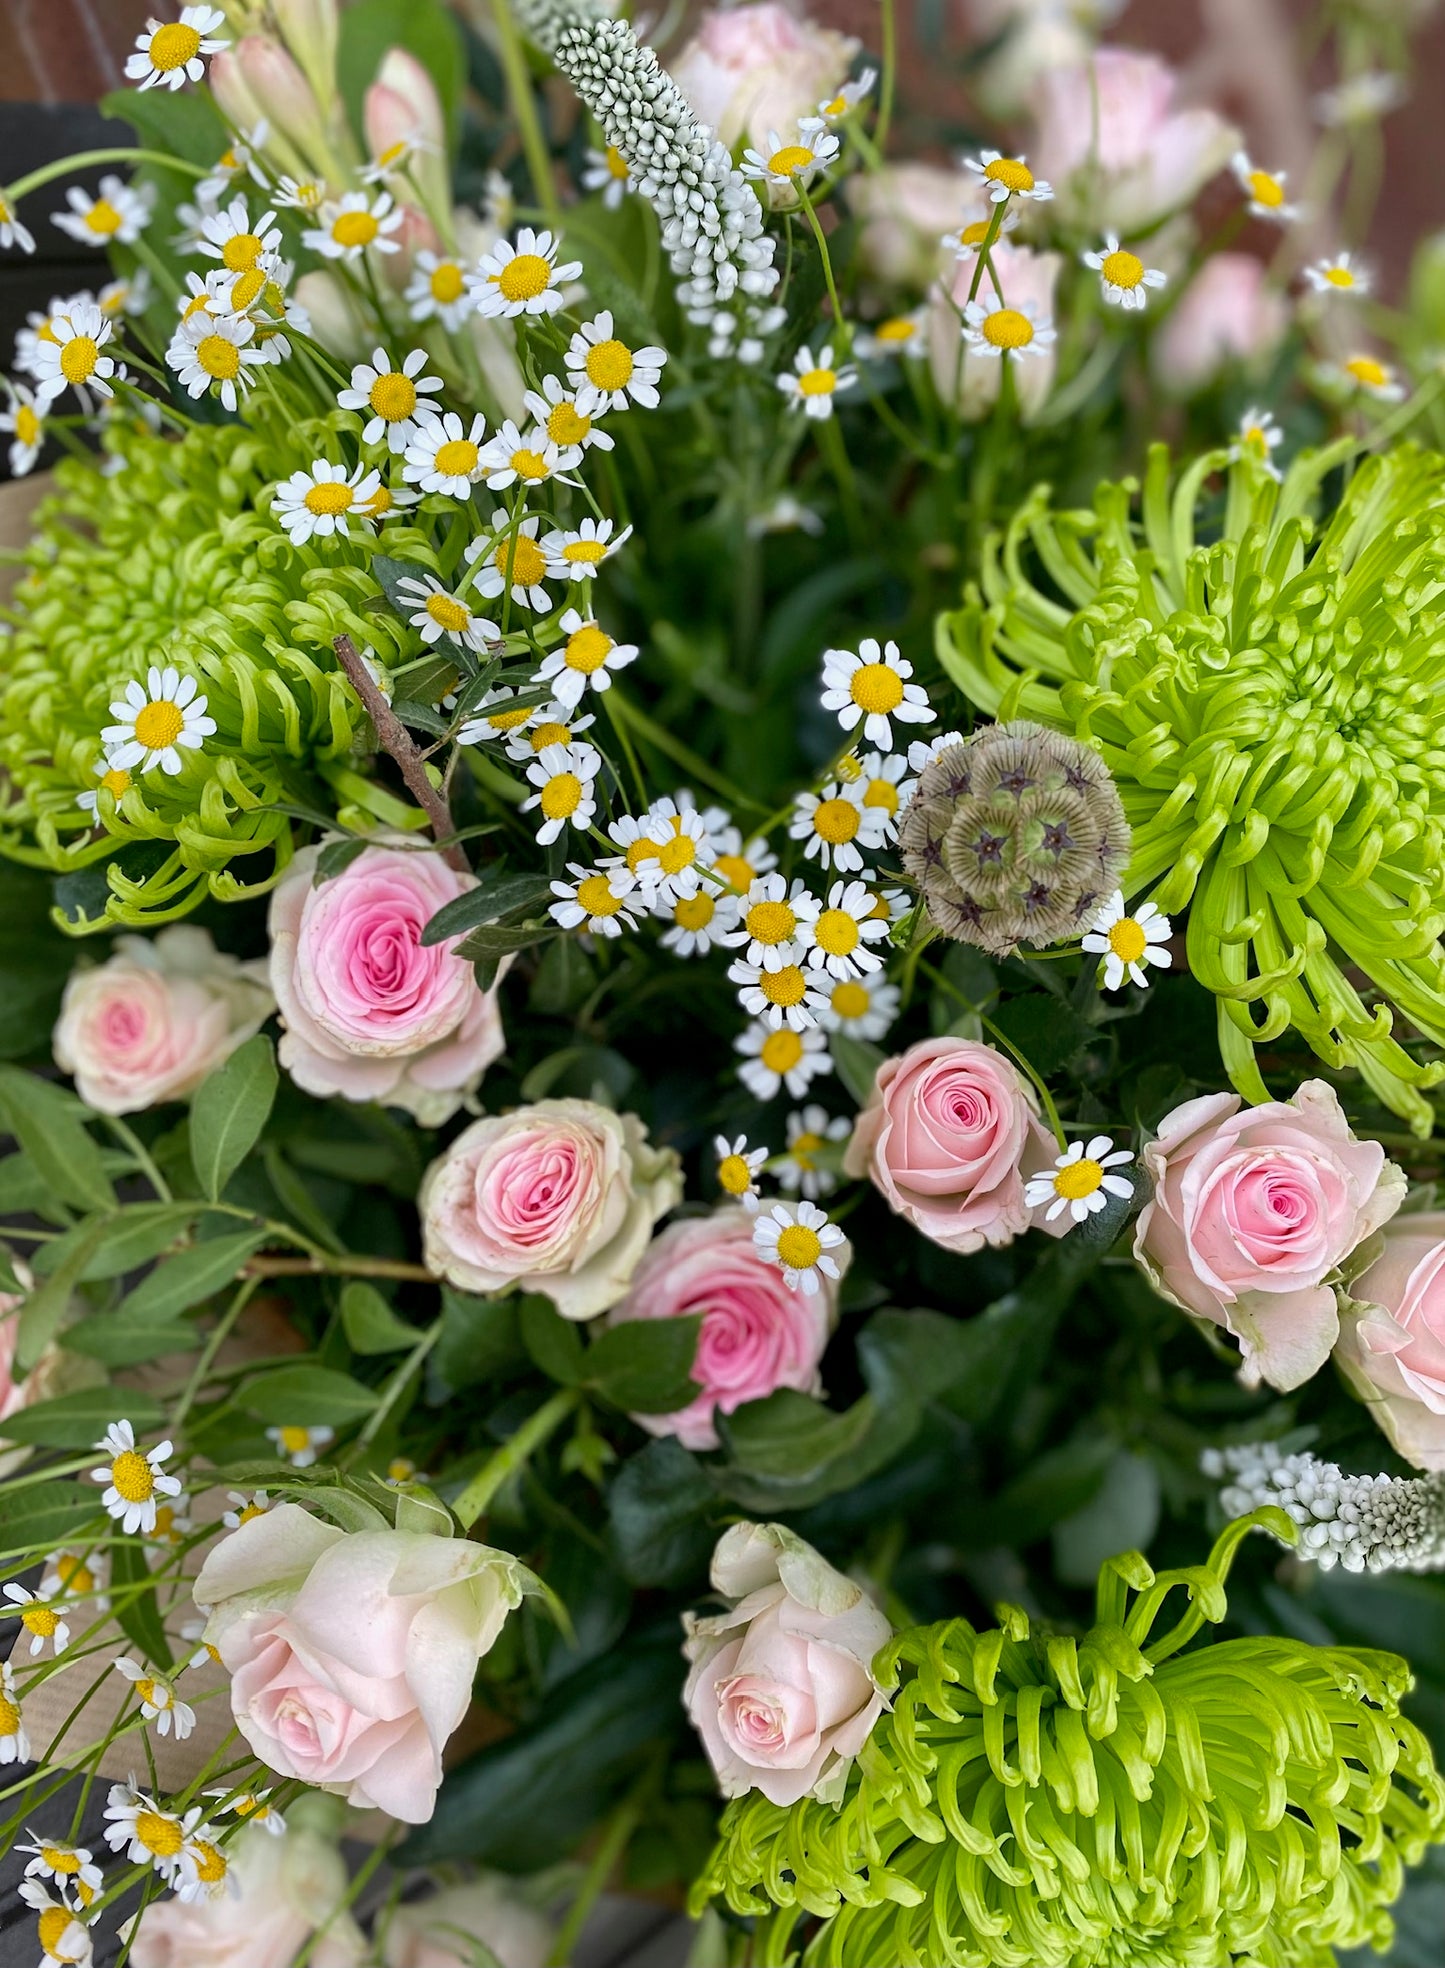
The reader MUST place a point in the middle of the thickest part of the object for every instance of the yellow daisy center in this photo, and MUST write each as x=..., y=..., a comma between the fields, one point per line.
x=792, y=157
x=332, y=496
x=678, y=853
x=561, y=796
x=394, y=153
x=781, y=1051
x=157, y=725
x=248, y=287
x=1266, y=190
x=694, y=911
x=380, y=502
x=1127, y=940
x=835, y=820
x=241, y=251
x=1079, y=1179
x=103, y=218
x=1367, y=371
x=210, y=1864
x=1011, y=172
x=40, y=1620
x=616, y=162
x=785, y=987
x=528, y=562
x=524, y=277
x=799, y=1247
x=529, y=464
x=131, y=1474
x=154, y=1695
x=836, y=932
x=849, y=1000
x=173, y=45
x=610, y=365
x=805, y=1148
x=354, y=229
x=85, y=1894
x=160, y=1835
x=975, y=234
x=876, y=688
x=587, y=648
x=78, y=358
x=549, y=734
x=294, y=1440
x=509, y=720
x=880, y=912
x=446, y=283
x=585, y=553
x=251, y=1510
x=734, y=1175
x=735, y=871
x=596, y=897
x=457, y=458
x=219, y=357
x=771, y=922
x=257, y=1807
x=1339, y=276
x=73, y=1573
x=51, y=1929
x=566, y=425
x=818, y=382
x=27, y=425
x=1122, y=269
x=837, y=107
x=1006, y=328
x=882, y=792
x=60, y=1859
x=393, y=396
x=898, y=329
x=9, y=1716
x=46, y=331
x=116, y=780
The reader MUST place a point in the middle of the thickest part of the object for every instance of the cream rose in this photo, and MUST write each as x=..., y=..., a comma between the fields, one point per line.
x=285, y=1890
x=559, y=1197
x=781, y=1687
x=752, y=70
x=434, y=1932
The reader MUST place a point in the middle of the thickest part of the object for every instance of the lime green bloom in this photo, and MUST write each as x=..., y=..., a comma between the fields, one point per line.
x=1264, y=687
x=1035, y=1801
x=172, y=556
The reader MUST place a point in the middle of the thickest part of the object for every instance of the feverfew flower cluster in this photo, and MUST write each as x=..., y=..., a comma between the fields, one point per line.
x=1363, y=1523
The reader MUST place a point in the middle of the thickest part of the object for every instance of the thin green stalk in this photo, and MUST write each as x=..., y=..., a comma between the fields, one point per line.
x=395, y=1387
x=995, y=226
x=524, y=108
x=213, y=1345
x=610, y=1848
x=618, y=718
x=128, y=1139
x=513, y=1454
x=830, y=443
x=889, y=84
x=64, y=167
x=827, y=258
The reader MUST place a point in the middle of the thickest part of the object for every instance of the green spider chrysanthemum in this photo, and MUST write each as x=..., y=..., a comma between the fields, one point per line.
x=1032, y=1801
x=1268, y=705
x=172, y=556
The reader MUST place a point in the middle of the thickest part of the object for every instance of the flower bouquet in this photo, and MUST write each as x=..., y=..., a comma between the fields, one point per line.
x=723, y=833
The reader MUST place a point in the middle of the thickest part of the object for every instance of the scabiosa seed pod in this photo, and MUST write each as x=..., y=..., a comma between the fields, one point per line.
x=1014, y=836
x=1263, y=700
x=1035, y=1801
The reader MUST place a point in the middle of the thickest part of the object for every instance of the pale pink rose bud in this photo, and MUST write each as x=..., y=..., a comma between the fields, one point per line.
x=416, y=234
x=310, y=29
x=753, y=69
x=1253, y=1212
x=904, y=210
x=402, y=109
x=781, y=1687
x=352, y=1654
x=281, y=92
x=948, y=1137
x=280, y=1892
x=1225, y=314
x=370, y=1012
x=430, y=1933
x=152, y=1022
x=1391, y=1348
x=972, y=381
x=757, y=1334
x=1118, y=153
x=232, y=91
x=559, y=1197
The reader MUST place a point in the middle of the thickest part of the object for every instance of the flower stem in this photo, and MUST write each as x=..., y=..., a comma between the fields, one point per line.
x=889, y=82
x=995, y=226
x=396, y=739
x=513, y=1453
x=524, y=108
x=610, y=1848
x=63, y=167
x=827, y=258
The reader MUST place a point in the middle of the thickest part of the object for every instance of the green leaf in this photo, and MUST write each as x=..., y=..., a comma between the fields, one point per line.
x=791, y=1441
x=118, y=1342
x=856, y=1063
x=189, y=1278
x=338, y=855
x=424, y=28
x=1007, y=1344
x=370, y=1324
x=42, y=1516
x=553, y=1342
x=348, y=1511
x=229, y=1111
x=78, y=1420
x=184, y=123
x=657, y=1508
x=1048, y=1034
x=486, y=947
x=47, y=1123
x=643, y=1366
x=138, y=1616
x=35, y=961
x=129, y=1239
x=480, y=1340
x=1061, y=1482
x=564, y=978
x=496, y=897
x=305, y=1397
x=390, y=573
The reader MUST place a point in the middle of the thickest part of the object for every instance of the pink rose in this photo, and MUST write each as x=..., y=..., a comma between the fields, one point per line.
x=559, y=1197
x=1392, y=1337
x=972, y=381
x=352, y=1656
x=904, y=210
x=756, y=1334
x=152, y=1022
x=1117, y=152
x=1253, y=1208
x=781, y=1687
x=1226, y=313
x=433, y=1933
x=285, y=1889
x=370, y=1011
x=949, y=1135
x=755, y=69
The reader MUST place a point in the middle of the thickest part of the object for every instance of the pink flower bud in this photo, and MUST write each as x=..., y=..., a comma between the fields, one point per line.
x=281, y=92
x=309, y=28
x=402, y=79
x=1226, y=313
x=229, y=87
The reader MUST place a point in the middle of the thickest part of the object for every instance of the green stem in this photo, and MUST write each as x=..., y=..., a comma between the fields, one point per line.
x=830, y=443
x=618, y=718
x=513, y=1453
x=212, y=1347
x=524, y=108
x=827, y=259
x=395, y=1387
x=131, y=1141
x=995, y=226
x=64, y=167
x=610, y=1848
x=889, y=82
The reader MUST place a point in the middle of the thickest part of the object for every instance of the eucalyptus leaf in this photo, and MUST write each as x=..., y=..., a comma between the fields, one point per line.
x=229, y=1111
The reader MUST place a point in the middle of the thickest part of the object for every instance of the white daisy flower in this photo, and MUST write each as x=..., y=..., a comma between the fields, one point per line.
x=301, y=1446
x=1259, y=435
x=993, y=329
x=145, y=1831
x=255, y=1807
x=965, y=242
x=773, y=1059
x=242, y=158
x=837, y=938
x=891, y=905
x=510, y=458
x=508, y=559
x=780, y=165
x=60, y=1928
x=1368, y=375
x=299, y=194
x=596, y=899
x=809, y=1133
x=153, y=720
x=883, y=779
x=14, y=1742
x=872, y=687
x=39, y=1617
x=533, y=731
x=169, y=52
x=565, y=777
x=204, y=1871
x=158, y=1702
x=740, y=862
x=861, y=1007
x=779, y=991
x=135, y=1477
x=772, y=917
x=1079, y=1181
x=385, y=503
x=576, y=553
x=349, y=226
x=71, y=358
x=606, y=171
x=1007, y=177
x=555, y=409
x=316, y=503
x=785, y=515
x=117, y=215
x=1339, y=273
x=122, y=297
x=437, y=290
x=589, y=656
x=671, y=848
x=848, y=97
x=923, y=751
x=215, y=352
x=244, y=1508
x=443, y=454
x=700, y=917
x=1128, y=942
x=897, y=335
x=1362, y=97
x=172, y=1524
x=12, y=233
x=1123, y=277
x=737, y=1170
x=799, y=1239
x=521, y=279
x=230, y=237
x=1265, y=190
x=835, y=825
x=498, y=716
x=78, y=1578
x=606, y=373
x=392, y=162
x=812, y=386
x=65, y=1864
x=391, y=397
x=196, y=1630
x=24, y=423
